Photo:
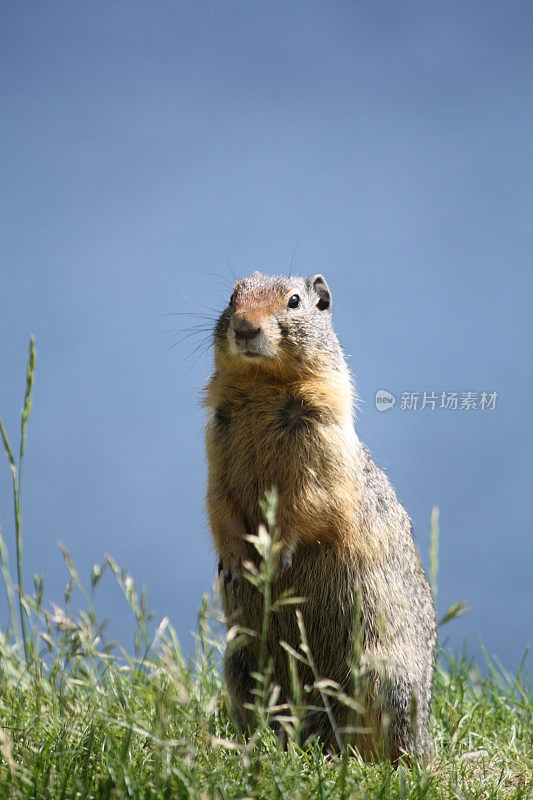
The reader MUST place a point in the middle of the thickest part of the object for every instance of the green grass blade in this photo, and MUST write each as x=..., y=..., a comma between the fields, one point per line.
x=434, y=551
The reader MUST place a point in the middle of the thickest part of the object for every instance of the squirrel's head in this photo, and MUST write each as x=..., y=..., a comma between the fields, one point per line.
x=273, y=321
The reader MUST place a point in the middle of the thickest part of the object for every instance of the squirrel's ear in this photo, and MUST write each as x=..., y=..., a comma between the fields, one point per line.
x=318, y=284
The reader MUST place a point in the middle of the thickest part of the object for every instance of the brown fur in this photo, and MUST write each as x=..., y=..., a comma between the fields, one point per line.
x=281, y=405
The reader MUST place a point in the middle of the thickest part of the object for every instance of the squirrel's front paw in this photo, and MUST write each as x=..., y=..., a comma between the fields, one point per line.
x=285, y=558
x=230, y=569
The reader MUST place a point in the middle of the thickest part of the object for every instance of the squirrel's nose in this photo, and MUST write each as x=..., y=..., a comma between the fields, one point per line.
x=245, y=330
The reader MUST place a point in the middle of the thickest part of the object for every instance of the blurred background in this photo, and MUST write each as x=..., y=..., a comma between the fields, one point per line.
x=151, y=152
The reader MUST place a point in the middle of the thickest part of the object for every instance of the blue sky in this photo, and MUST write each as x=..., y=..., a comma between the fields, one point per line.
x=151, y=151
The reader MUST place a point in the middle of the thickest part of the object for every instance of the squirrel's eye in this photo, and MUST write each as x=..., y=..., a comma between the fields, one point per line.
x=294, y=301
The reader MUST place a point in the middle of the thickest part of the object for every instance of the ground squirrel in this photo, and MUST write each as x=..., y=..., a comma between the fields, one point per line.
x=280, y=414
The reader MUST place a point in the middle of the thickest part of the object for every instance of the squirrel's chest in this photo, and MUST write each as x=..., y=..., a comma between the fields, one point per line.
x=285, y=441
x=277, y=437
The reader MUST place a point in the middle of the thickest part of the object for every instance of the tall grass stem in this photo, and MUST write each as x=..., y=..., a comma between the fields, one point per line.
x=16, y=475
x=434, y=551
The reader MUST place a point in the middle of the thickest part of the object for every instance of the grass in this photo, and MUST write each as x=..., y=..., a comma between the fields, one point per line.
x=81, y=717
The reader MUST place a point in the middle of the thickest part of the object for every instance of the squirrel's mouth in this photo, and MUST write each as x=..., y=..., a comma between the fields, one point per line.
x=255, y=350
x=253, y=355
